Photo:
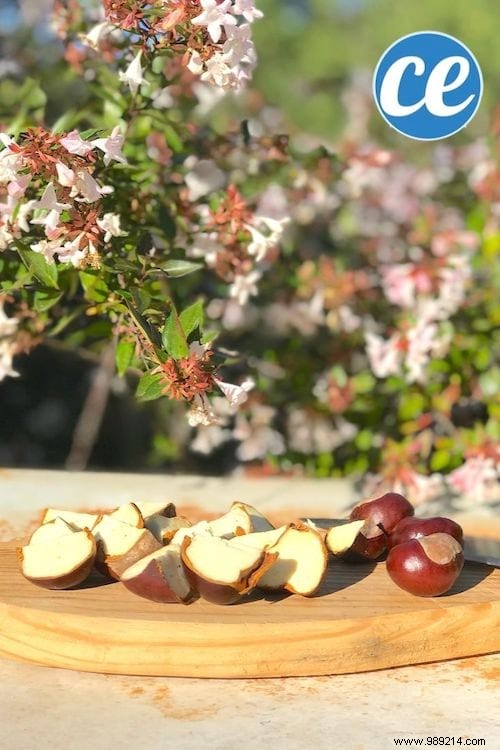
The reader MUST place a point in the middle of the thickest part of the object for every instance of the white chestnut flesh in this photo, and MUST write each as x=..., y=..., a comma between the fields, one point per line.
x=60, y=564
x=262, y=539
x=80, y=520
x=163, y=528
x=356, y=541
x=150, y=508
x=128, y=513
x=222, y=570
x=258, y=520
x=52, y=530
x=119, y=545
x=235, y=521
x=302, y=562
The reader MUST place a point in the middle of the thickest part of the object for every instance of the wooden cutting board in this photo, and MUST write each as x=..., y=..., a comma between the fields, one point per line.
x=359, y=621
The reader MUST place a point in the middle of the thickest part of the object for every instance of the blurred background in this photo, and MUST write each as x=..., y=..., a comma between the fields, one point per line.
x=313, y=80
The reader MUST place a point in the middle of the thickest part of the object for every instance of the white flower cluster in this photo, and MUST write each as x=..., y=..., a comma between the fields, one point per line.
x=228, y=60
x=407, y=354
x=61, y=205
x=231, y=66
x=8, y=328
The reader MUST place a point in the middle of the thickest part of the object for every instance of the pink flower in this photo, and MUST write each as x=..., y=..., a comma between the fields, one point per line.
x=204, y=177
x=7, y=351
x=205, y=246
x=51, y=219
x=385, y=357
x=65, y=176
x=244, y=287
x=110, y=224
x=88, y=188
x=247, y=9
x=71, y=252
x=17, y=187
x=475, y=477
x=195, y=64
x=111, y=146
x=47, y=248
x=235, y=394
x=218, y=72
x=403, y=281
x=96, y=34
x=215, y=16
x=133, y=76
x=443, y=242
x=75, y=144
x=257, y=436
x=201, y=412
x=49, y=201
x=8, y=326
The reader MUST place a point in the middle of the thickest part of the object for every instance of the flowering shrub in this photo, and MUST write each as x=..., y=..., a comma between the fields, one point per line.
x=351, y=297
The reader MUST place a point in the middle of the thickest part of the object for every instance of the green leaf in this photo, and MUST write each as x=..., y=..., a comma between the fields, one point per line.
x=209, y=336
x=411, y=405
x=44, y=299
x=66, y=121
x=167, y=223
x=174, y=337
x=192, y=317
x=440, y=460
x=173, y=139
x=149, y=387
x=177, y=268
x=124, y=356
x=38, y=266
x=90, y=133
x=65, y=320
x=96, y=289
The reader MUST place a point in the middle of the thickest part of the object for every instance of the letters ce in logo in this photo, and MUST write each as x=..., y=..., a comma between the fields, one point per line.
x=428, y=85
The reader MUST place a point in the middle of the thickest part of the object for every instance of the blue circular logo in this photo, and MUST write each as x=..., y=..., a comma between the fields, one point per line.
x=427, y=85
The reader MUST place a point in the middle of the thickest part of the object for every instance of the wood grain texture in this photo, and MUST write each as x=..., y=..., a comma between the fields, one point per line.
x=359, y=621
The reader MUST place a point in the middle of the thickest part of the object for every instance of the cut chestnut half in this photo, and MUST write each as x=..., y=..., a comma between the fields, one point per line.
x=236, y=521
x=302, y=561
x=150, y=508
x=262, y=539
x=119, y=545
x=61, y=563
x=52, y=530
x=79, y=520
x=160, y=577
x=128, y=513
x=356, y=541
x=223, y=570
x=164, y=528
x=258, y=520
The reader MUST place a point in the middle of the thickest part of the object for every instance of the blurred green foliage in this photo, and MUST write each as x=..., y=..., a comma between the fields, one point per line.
x=310, y=50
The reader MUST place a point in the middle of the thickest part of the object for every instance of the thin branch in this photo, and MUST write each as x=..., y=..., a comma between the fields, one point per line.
x=92, y=413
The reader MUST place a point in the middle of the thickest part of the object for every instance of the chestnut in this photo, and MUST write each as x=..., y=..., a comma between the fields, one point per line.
x=385, y=511
x=356, y=541
x=414, y=528
x=428, y=566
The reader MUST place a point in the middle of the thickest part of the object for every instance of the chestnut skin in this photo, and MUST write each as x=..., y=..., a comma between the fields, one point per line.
x=367, y=545
x=385, y=511
x=428, y=566
x=414, y=528
x=367, y=548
